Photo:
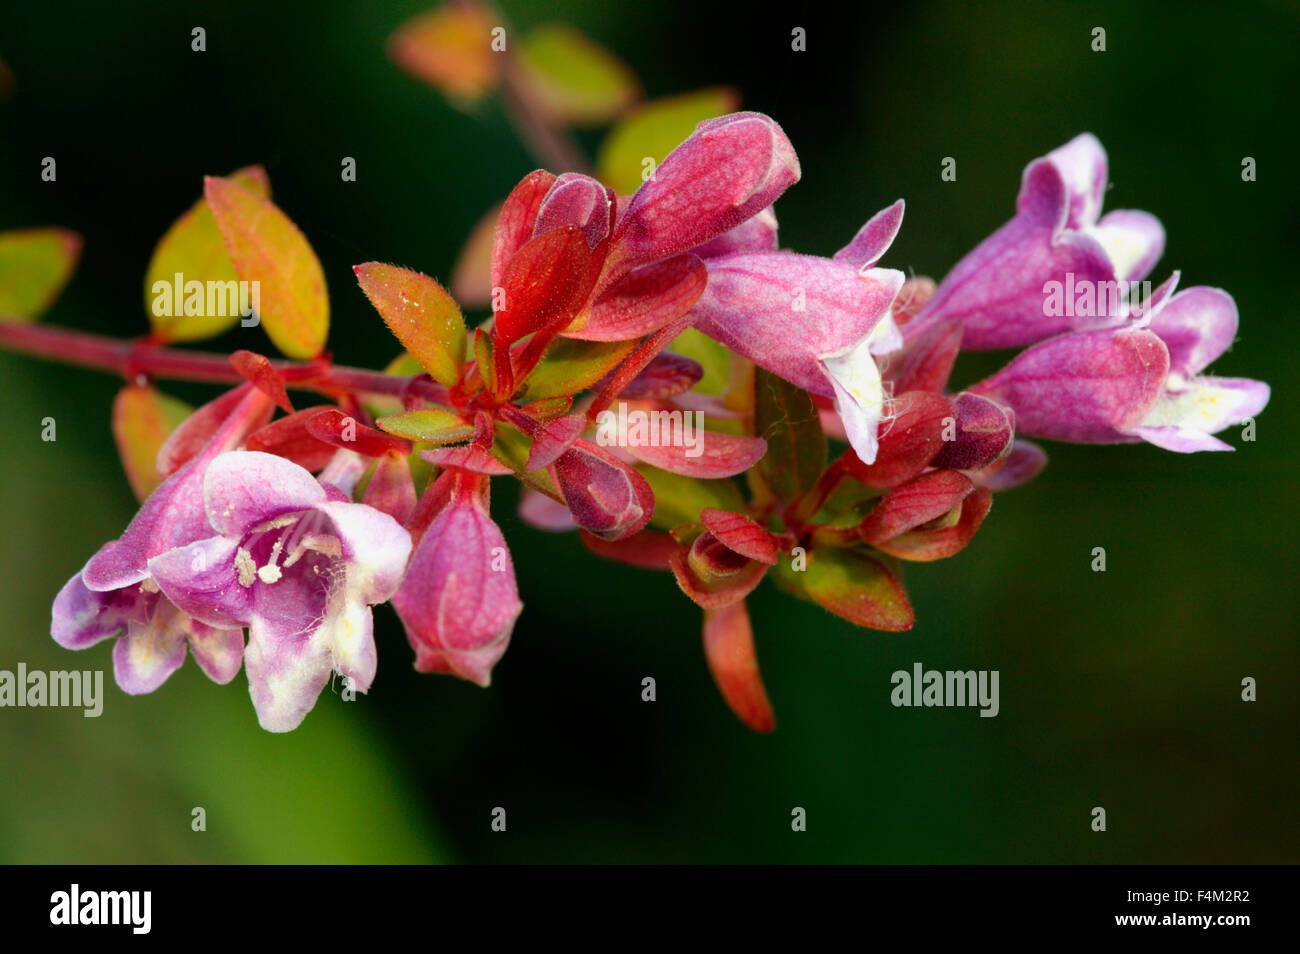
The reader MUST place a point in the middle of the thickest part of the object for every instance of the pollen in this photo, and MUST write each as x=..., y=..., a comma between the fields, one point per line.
x=245, y=567
x=269, y=573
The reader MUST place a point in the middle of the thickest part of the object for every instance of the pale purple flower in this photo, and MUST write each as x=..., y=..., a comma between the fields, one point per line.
x=115, y=594
x=819, y=323
x=299, y=564
x=1140, y=381
x=999, y=291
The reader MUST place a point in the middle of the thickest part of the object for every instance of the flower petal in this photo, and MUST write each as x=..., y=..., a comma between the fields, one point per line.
x=873, y=239
x=1133, y=240
x=287, y=669
x=201, y=580
x=1207, y=405
x=1197, y=324
x=245, y=488
x=726, y=172
x=756, y=235
x=219, y=652
x=375, y=549
x=785, y=311
x=146, y=655
x=1079, y=168
x=1085, y=387
x=82, y=617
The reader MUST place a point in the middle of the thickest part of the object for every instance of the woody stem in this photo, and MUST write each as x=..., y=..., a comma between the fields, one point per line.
x=142, y=357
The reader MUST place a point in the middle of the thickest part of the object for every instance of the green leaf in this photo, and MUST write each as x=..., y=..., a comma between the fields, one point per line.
x=434, y=425
x=711, y=355
x=193, y=248
x=785, y=417
x=653, y=131
x=568, y=366
x=420, y=312
x=679, y=499
x=143, y=418
x=267, y=248
x=35, y=264
x=573, y=80
x=858, y=587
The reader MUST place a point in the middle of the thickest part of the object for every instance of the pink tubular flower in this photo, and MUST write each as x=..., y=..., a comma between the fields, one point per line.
x=1137, y=382
x=299, y=564
x=116, y=594
x=999, y=291
x=459, y=602
x=817, y=322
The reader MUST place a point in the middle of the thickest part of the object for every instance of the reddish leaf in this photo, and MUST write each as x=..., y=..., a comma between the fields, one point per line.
x=647, y=549
x=553, y=439
x=339, y=430
x=257, y=370
x=923, y=546
x=645, y=300
x=720, y=592
x=911, y=299
x=918, y=501
x=925, y=363
x=737, y=532
x=909, y=439
x=704, y=454
x=517, y=220
x=545, y=282
x=288, y=437
x=469, y=457
x=450, y=49
x=729, y=650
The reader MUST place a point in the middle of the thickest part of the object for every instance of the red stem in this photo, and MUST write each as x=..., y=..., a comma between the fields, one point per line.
x=133, y=359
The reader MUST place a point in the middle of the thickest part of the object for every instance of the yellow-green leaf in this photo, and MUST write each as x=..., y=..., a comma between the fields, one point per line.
x=786, y=417
x=192, y=248
x=35, y=264
x=654, y=130
x=679, y=499
x=267, y=248
x=449, y=48
x=568, y=366
x=434, y=425
x=422, y=315
x=143, y=418
x=573, y=80
x=859, y=587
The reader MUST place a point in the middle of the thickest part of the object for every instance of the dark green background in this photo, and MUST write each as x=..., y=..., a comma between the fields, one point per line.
x=1119, y=689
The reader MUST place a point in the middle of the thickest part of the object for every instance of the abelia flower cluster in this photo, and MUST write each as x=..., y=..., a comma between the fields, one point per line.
x=293, y=528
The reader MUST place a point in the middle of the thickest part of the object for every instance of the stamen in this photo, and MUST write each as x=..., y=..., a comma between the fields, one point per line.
x=245, y=567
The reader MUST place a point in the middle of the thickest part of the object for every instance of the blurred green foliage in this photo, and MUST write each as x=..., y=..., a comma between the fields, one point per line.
x=1119, y=689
